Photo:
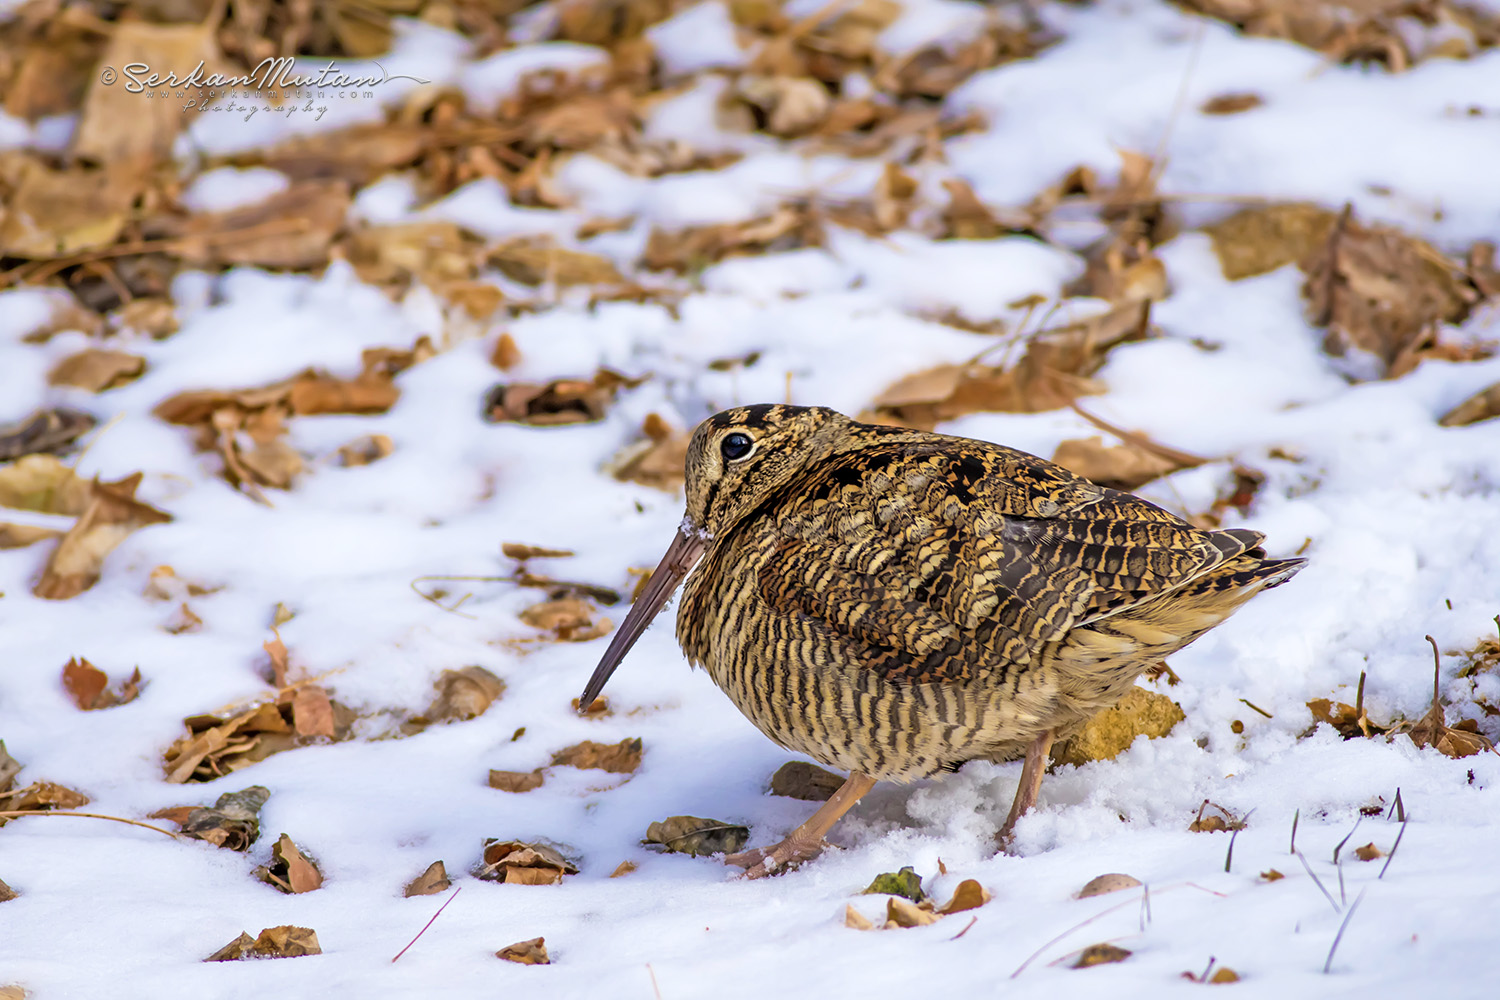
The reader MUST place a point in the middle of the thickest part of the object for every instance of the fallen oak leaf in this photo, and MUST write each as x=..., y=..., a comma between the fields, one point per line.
x=232, y=822
x=901, y=912
x=569, y=619
x=464, y=694
x=1369, y=852
x=1100, y=954
x=969, y=895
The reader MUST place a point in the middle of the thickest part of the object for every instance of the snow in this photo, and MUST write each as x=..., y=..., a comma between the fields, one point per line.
x=1399, y=517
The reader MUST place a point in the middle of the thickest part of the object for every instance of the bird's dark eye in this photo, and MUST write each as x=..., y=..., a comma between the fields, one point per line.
x=736, y=446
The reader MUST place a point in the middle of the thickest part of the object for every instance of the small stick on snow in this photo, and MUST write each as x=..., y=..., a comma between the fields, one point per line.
x=1397, y=808
x=1340, y=935
x=1257, y=708
x=439, y=913
x=971, y=923
x=1295, y=817
x=654, y=988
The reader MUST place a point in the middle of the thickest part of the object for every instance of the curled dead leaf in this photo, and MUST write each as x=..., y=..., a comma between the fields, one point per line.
x=232, y=822
x=112, y=514
x=290, y=870
x=1125, y=466
x=622, y=869
x=901, y=912
x=569, y=619
x=1483, y=405
x=858, y=921
x=88, y=686
x=1219, y=820
x=1368, y=852
x=464, y=694
x=518, y=863
x=563, y=401
x=285, y=941
x=1262, y=238
x=365, y=450
x=534, y=262
x=969, y=895
x=1271, y=875
x=696, y=836
x=43, y=431
x=532, y=952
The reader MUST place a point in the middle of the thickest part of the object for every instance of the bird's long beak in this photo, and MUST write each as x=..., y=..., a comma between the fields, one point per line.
x=684, y=552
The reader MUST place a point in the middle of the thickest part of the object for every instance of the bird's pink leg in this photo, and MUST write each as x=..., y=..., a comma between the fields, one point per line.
x=805, y=842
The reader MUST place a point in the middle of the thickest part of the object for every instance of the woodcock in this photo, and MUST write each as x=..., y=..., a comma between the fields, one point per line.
x=895, y=603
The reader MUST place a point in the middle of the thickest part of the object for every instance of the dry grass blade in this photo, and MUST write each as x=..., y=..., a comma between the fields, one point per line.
x=1317, y=881
x=1328, y=965
x=1394, y=847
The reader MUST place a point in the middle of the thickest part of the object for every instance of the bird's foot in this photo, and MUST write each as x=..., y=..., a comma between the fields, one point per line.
x=761, y=862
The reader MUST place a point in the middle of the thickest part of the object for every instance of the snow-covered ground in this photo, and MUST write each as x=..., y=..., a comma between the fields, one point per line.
x=1401, y=520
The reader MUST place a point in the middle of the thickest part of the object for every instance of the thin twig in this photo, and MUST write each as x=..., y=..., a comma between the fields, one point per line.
x=1394, y=847
x=1257, y=708
x=654, y=988
x=1343, y=897
x=1104, y=913
x=1158, y=161
x=1229, y=854
x=971, y=923
x=1319, y=883
x=439, y=913
x=1141, y=441
x=1342, y=927
x=21, y=813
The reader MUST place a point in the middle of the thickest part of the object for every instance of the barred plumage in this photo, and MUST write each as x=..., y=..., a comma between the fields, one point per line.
x=895, y=603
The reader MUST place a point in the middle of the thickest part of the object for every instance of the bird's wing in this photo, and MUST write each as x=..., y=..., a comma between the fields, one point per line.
x=933, y=563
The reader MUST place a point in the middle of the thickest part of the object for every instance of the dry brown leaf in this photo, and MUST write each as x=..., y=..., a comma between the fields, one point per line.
x=6, y=895
x=43, y=796
x=697, y=836
x=292, y=230
x=111, y=515
x=1219, y=820
x=506, y=354
x=517, y=781
x=232, y=822
x=464, y=694
x=533, y=262
x=598, y=709
x=9, y=768
x=215, y=746
x=1345, y=718
x=532, y=952
x=563, y=401
x=799, y=779
x=273, y=942
x=657, y=460
x=1112, y=731
x=1369, y=852
x=901, y=912
x=969, y=895
x=43, y=431
x=433, y=253
x=1100, y=954
x=148, y=316
x=122, y=129
x=935, y=70
x=786, y=106
x=966, y=217
x=1483, y=405
x=1125, y=466
x=1262, y=238
x=1104, y=884
x=858, y=921
x=89, y=686
x=1052, y=373
x=312, y=712
x=1231, y=104
x=1272, y=875
x=97, y=370
x=54, y=69
x=432, y=881
x=623, y=868
x=689, y=250
x=617, y=758
x=519, y=863
x=365, y=450
x=1224, y=974
x=290, y=870
x=58, y=213
x=1382, y=295
x=569, y=619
